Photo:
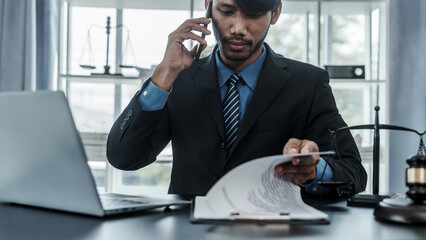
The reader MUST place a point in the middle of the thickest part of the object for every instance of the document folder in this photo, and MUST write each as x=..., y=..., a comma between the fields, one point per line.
x=252, y=192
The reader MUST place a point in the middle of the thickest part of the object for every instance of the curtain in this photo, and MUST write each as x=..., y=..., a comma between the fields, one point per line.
x=28, y=44
x=407, y=84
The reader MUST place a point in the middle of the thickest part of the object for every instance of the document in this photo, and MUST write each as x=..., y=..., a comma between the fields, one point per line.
x=252, y=191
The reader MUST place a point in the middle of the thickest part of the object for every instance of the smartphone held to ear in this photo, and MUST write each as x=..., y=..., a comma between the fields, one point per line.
x=201, y=46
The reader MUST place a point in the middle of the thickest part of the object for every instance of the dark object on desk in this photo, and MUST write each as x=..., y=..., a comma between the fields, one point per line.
x=339, y=71
x=413, y=210
x=367, y=200
x=401, y=211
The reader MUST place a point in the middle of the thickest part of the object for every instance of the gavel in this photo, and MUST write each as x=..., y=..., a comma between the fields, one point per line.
x=416, y=178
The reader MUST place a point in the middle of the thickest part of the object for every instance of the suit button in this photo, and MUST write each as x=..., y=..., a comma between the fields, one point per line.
x=222, y=145
x=123, y=123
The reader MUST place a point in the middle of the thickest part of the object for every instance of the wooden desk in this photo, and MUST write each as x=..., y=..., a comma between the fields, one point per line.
x=18, y=222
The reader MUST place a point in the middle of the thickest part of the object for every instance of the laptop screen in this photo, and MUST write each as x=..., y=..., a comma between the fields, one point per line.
x=41, y=154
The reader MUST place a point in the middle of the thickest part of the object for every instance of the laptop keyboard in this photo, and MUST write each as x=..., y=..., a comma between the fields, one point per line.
x=119, y=202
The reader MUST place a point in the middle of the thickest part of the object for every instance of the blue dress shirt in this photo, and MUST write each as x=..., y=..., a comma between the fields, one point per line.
x=250, y=75
x=153, y=98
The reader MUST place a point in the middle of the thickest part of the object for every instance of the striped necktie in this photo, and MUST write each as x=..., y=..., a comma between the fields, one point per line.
x=231, y=111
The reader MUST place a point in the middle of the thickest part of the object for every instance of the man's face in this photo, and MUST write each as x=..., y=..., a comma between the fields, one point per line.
x=240, y=35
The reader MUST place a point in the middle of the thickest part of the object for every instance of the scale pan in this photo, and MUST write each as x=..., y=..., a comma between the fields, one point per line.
x=332, y=184
x=87, y=66
x=127, y=66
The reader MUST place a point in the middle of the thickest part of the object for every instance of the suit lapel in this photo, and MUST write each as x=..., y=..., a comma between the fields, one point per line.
x=271, y=80
x=205, y=78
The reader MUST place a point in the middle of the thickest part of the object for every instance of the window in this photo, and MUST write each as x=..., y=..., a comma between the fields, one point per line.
x=96, y=100
x=318, y=32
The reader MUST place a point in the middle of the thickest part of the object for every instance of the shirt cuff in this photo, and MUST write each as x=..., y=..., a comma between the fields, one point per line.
x=151, y=97
x=314, y=187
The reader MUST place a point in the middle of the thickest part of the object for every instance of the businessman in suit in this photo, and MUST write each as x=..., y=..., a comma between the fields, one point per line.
x=242, y=102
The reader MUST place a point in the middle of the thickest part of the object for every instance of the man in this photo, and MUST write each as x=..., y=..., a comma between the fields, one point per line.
x=242, y=102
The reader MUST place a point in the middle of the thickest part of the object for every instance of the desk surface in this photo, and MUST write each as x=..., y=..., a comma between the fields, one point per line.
x=18, y=222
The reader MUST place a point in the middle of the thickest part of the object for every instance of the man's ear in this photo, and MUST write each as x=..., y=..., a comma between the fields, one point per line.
x=276, y=14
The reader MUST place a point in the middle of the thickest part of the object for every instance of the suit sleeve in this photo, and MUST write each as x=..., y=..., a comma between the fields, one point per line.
x=324, y=116
x=137, y=136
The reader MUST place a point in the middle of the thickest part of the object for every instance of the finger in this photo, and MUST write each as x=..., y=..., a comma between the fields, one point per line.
x=307, y=161
x=181, y=37
x=195, y=28
x=295, y=161
x=184, y=48
x=289, y=169
x=279, y=170
x=308, y=146
x=304, y=146
x=199, y=28
x=204, y=47
x=193, y=51
x=292, y=146
x=195, y=24
x=300, y=178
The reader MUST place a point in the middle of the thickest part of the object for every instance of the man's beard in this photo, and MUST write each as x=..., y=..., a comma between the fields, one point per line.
x=237, y=58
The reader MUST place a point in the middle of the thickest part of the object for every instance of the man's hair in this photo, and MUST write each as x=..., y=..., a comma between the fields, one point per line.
x=257, y=6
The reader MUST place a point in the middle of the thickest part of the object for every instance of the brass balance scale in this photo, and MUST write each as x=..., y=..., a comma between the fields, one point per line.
x=87, y=59
x=408, y=210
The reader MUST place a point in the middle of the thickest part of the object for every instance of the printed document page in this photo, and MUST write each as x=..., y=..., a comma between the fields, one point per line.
x=253, y=189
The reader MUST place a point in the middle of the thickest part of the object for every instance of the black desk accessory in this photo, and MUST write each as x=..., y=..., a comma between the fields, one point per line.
x=369, y=200
x=90, y=65
x=411, y=210
x=346, y=71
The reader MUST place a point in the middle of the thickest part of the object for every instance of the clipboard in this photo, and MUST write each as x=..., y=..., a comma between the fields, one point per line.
x=249, y=193
x=236, y=218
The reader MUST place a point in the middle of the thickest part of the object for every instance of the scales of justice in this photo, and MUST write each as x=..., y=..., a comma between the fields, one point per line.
x=389, y=207
x=87, y=59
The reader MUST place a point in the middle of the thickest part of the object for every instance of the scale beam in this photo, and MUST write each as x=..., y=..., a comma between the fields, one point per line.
x=371, y=200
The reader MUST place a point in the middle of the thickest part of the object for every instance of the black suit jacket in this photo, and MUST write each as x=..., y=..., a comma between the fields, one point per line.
x=291, y=100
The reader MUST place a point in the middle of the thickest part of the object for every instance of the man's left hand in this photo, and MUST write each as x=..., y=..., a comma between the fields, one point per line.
x=301, y=170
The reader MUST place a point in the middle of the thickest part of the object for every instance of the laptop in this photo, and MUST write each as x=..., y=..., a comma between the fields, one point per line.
x=43, y=163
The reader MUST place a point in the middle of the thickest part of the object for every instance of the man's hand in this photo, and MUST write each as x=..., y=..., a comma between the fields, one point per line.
x=301, y=170
x=177, y=57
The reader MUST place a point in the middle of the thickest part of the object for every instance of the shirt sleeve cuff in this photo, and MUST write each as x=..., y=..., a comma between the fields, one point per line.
x=314, y=187
x=151, y=97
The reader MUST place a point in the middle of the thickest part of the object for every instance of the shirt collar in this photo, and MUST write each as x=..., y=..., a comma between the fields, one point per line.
x=250, y=74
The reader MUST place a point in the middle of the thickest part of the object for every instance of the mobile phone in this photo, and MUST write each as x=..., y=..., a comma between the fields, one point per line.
x=208, y=15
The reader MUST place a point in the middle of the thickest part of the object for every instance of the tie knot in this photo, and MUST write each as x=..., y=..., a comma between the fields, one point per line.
x=233, y=80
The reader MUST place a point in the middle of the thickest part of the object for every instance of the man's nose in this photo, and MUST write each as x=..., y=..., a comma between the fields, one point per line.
x=239, y=25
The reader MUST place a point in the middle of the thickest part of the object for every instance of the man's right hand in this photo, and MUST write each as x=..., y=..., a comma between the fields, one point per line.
x=177, y=57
